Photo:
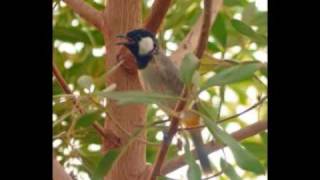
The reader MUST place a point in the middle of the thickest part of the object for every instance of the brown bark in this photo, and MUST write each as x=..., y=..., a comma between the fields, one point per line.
x=190, y=42
x=158, y=12
x=90, y=14
x=58, y=172
x=120, y=16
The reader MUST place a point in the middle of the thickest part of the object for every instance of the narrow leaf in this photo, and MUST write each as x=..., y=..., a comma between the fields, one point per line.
x=105, y=164
x=233, y=74
x=243, y=157
x=189, y=65
x=194, y=171
x=228, y=170
x=219, y=30
x=248, y=31
x=243, y=28
x=129, y=97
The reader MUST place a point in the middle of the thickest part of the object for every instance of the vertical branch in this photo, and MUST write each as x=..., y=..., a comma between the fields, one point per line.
x=180, y=105
x=120, y=16
x=158, y=12
x=168, y=137
x=203, y=40
x=190, y=42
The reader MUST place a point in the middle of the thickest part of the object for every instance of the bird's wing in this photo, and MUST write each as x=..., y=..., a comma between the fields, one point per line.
x=169, y=73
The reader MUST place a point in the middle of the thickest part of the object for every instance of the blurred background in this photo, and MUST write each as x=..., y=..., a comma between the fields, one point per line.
x=238, y=34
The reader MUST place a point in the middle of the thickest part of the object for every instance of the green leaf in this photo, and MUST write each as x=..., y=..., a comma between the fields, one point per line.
x=70, y=34
x=194, y=171
x=87, y=119
x=85, y=81
x=151, y=113
x=260, y=39
x=233, y=74
x=213, y=47
x=219, y=30
x=243, y=157
x=257, y=149
x=73, y=35
x=243, y=28
x=188, y=66
x=264, y=70
x=248, y=31
x=228, y=170
x=232, y=2
x=264, y=137
x=105, y=164
x=130, y=97
x=208, y=110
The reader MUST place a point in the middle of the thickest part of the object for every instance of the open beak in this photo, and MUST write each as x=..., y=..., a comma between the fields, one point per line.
x=124, y=37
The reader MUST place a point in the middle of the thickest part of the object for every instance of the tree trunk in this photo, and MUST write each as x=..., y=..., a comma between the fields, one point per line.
x=120, y=16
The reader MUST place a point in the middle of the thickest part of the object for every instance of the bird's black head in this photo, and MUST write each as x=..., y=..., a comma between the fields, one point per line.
x=142, y=44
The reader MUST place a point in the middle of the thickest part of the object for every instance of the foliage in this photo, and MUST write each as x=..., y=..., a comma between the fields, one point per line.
x=242, y=42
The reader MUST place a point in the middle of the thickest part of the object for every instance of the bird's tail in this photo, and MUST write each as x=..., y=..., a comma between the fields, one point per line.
x=201, y=152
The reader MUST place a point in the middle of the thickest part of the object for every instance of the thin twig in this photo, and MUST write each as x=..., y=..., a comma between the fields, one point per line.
x=215, y=175
x=243, y=112
x=119, y=125
x=230, y=117
x=87, y=12
x=210, y=147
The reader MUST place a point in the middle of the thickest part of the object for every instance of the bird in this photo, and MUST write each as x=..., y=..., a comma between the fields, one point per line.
x=158, y=73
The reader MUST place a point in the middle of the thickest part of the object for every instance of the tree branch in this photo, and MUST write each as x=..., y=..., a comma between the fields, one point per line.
x=203, y=40
x=210, y=147
x=168, y=137
x=87, y=12
x=190, y=42
x=181, y=103
x=63, y=84
x=158, y=12
x=58, y=172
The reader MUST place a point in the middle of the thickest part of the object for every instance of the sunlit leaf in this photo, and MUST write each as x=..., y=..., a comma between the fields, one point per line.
x=233, y=74
x=130, y=97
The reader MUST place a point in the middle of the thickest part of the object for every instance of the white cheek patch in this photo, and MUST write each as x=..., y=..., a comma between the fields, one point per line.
x=145, y=45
